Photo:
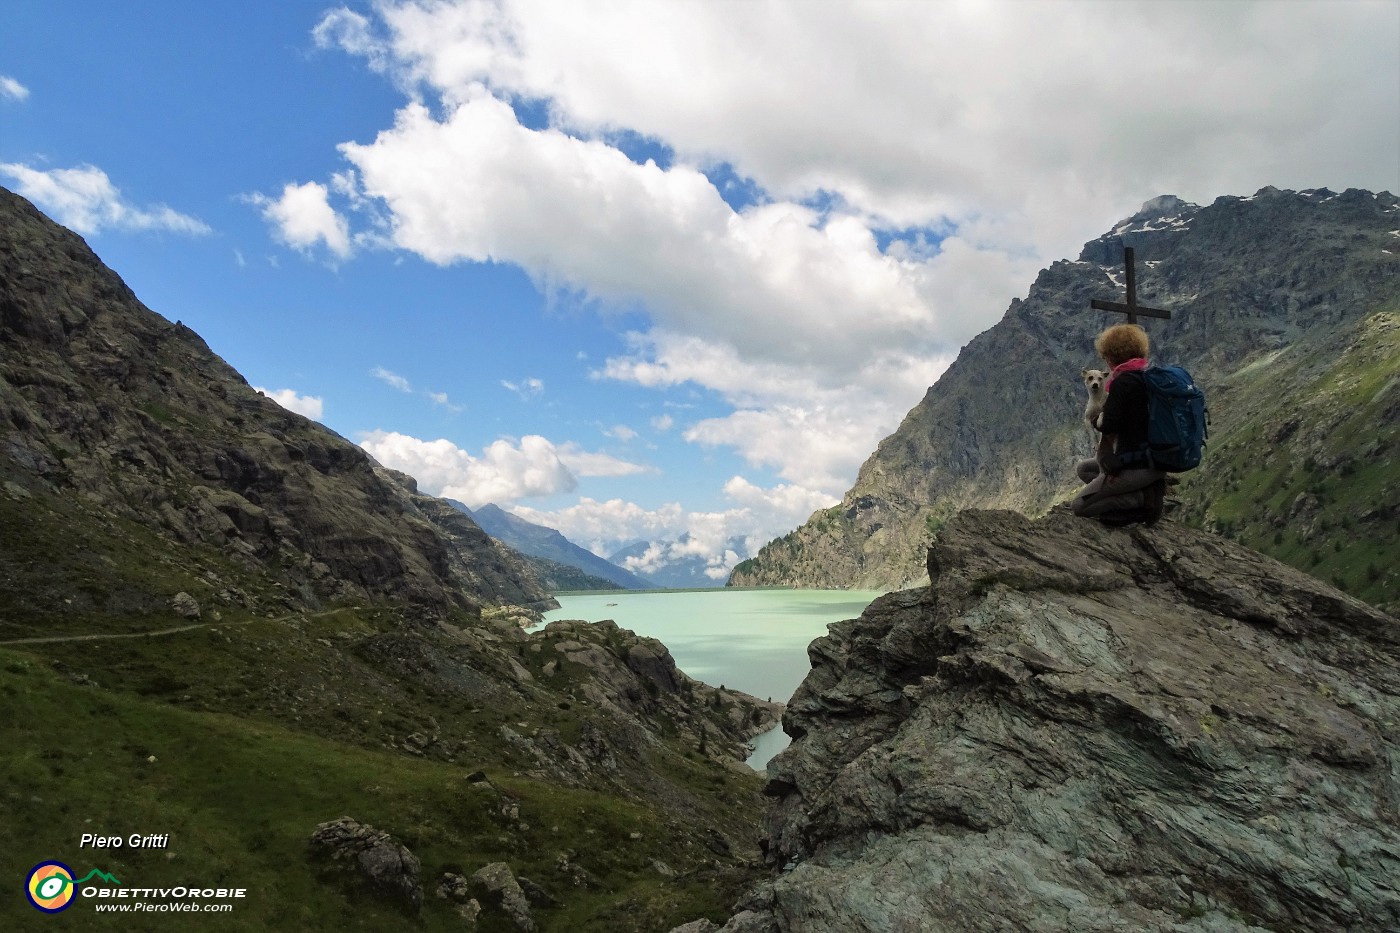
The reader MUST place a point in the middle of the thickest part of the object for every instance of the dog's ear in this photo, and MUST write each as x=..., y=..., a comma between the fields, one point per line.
x=1084, y=373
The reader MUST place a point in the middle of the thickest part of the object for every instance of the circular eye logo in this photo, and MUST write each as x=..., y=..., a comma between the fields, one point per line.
x=50, y=887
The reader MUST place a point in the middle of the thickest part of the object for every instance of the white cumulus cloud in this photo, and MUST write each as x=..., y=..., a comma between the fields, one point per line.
x=302, y=217
x=526, y=388
x=391, y=379
x=578, y=215
x=309, y=405
x=786, y=505
x=440, y=398
x=505, y=472
x=84, y=199
x=620, y=432
x=12, y=89
x=758, y=515
x=910, y=166
x=603, y=527
x=595, y=463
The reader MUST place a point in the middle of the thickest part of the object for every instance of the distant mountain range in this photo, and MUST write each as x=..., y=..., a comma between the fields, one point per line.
x=563, y=565
x=673, y=565
x=560, y=563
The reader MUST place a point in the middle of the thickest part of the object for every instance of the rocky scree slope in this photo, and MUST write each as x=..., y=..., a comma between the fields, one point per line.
x=1083, y=730
x=116, y=422
x=1274, y=298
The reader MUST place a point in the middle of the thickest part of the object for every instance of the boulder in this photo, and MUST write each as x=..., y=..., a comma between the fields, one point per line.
x=185, y=606
x=500, y=883
x=388, y=867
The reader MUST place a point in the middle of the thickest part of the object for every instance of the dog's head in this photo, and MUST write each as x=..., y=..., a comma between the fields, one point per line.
x=1093, y=380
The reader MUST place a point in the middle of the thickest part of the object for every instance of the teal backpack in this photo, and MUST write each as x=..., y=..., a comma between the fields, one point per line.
x=1178, y=422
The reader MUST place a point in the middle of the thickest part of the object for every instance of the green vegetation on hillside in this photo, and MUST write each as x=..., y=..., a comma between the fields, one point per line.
x=1310, y=476
x=240, y=796
x=266, y=718
x=223, y=623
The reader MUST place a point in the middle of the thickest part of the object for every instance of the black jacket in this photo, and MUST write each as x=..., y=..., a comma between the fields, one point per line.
x=1125, y=411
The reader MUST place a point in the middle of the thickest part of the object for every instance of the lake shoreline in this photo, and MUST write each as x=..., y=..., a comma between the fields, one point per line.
x=751, y=639
x=689, y=589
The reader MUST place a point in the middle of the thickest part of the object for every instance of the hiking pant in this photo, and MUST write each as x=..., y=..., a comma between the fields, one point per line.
x=1103, y=493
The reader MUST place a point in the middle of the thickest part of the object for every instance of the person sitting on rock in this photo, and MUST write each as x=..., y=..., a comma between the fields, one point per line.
x=1113, y=494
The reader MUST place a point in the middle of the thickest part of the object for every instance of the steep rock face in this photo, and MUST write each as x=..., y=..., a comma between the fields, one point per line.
x=616, y=696
x=480, y=562
x=1076, y=729
x=110, y=413
x=1267, y=294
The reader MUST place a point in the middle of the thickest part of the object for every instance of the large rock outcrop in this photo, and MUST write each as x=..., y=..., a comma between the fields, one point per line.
x=1080, y=729
x=635, y=679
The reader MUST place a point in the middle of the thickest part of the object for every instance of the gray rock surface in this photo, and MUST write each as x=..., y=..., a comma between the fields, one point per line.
x=635, y=678
x=500, y=883
x=388, y=866
x=184, y=605
x=1081, y=729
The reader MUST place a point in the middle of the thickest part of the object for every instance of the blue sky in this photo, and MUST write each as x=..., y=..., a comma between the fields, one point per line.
x=637, y=269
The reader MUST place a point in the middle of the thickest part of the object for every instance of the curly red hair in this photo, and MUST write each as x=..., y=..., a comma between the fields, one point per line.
x=1122, y=342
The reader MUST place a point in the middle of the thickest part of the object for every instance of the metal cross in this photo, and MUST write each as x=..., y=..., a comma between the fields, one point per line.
x=1132, y=309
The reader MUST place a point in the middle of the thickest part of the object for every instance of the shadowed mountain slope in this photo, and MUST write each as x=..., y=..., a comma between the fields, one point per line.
x=114, y=420
x=547, y=544
x=223, y=623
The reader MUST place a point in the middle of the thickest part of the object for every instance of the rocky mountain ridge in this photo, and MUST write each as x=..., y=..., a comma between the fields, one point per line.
x=1281, y=303
x=1089, y=730
x=110, y=414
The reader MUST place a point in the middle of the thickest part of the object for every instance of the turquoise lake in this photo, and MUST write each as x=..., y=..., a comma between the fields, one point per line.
x=750, y=640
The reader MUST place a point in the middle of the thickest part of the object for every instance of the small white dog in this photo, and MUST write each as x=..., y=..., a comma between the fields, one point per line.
x=1093, y=409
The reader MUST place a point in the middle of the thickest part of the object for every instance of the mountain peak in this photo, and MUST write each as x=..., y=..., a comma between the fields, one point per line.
x=548, y=544
x=1164, y=213
x=1163, y=204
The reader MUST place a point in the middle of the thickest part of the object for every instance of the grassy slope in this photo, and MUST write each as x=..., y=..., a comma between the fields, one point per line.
x=1311, y=477
x=269, y=721
x=239, y=798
